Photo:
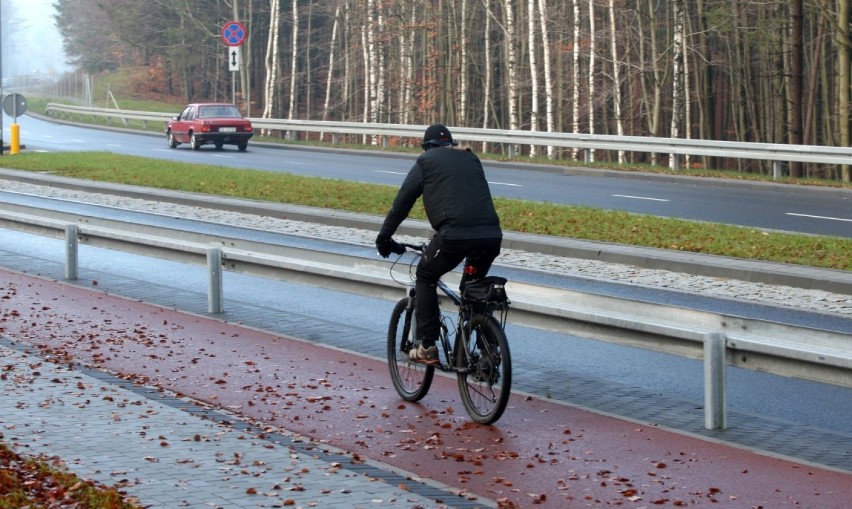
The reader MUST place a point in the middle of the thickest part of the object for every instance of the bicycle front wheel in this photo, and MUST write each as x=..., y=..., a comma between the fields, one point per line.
x=410, y=379
x=485, y=369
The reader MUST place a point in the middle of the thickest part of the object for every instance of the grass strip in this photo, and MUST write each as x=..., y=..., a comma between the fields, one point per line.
x=516, y=215
x=41, y=482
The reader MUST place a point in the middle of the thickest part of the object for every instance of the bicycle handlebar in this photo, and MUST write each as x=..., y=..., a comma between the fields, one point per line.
x=414, y=247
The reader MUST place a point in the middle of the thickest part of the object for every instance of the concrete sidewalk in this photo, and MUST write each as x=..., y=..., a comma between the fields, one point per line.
x=285, y=421
x=168, y=452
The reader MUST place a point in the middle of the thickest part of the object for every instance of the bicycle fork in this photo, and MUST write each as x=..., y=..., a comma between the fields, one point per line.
x=411, y=321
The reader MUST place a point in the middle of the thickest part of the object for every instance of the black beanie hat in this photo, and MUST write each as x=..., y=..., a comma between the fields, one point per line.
x=437, y=135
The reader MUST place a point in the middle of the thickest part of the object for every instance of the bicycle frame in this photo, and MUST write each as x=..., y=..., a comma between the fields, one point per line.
x=465, y=313
x=479, y=355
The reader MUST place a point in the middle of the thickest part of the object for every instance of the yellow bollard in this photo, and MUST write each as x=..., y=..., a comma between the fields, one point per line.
x=16, y=139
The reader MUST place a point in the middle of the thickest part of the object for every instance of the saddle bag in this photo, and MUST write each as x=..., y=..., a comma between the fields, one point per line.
x=490, y=289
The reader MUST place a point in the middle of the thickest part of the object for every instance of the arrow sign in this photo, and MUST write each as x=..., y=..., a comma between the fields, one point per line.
x=233, y=59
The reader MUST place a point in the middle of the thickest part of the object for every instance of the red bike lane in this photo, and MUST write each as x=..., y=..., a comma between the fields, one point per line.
x=541, y=453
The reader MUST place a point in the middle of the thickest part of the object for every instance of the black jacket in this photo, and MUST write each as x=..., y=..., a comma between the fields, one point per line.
x=455, y=195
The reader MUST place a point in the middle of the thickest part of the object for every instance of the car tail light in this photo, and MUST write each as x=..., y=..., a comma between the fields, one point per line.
x=205, y=127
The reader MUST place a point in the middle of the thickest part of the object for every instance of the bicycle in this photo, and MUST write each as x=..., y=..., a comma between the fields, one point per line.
x=479, y=357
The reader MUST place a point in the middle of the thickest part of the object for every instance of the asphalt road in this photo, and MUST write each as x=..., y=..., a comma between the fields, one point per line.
x=775, y=207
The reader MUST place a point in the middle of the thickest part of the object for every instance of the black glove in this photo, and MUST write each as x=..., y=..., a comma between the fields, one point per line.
x=386, y=245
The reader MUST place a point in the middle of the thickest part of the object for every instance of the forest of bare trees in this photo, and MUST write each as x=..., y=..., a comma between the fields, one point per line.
x=774, y=71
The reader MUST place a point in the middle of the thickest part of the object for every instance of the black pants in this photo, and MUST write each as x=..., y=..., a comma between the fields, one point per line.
x=441, y=256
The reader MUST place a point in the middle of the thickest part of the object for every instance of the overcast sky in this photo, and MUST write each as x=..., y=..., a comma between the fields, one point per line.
x=32, y=45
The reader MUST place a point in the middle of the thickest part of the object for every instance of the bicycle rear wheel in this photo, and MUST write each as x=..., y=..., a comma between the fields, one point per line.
x=485, y=370
x=410, y=379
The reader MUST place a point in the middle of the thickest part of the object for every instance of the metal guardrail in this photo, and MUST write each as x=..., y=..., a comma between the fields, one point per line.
x=720, y=340
x=774, y=152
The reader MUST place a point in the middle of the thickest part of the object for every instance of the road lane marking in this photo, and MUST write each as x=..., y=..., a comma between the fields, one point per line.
x=637, y=197
x=391, y=172
x=820, y=217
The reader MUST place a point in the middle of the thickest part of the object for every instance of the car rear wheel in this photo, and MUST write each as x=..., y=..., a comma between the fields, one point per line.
x=172, y=141
x=242, y=146
x=194, y=141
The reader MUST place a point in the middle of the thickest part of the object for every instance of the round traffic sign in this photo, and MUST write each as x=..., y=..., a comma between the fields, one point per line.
x=233, y=33
x=14, y=105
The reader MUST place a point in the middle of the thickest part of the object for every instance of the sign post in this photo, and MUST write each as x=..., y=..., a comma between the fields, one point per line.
x=233, y=35
x=15, y=105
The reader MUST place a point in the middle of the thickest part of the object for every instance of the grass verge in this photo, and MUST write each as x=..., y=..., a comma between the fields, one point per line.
x=516, y=215
x=38, y=482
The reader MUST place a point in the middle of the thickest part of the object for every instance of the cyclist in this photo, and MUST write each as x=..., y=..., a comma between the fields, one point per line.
x=460, y=209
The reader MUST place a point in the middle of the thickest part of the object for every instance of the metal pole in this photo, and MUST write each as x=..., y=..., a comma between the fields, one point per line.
x=215, y=300
x=715, y=414
x=71, y=251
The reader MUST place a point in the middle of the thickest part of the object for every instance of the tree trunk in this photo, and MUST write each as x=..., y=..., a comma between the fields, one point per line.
x=796, y=72
x=512, y=64
x=272, y=56
x=616, y=77
x=533, y=72
x=486, y=99
x=844, y=81
x=331, y=55
x=548, y=75
x=591, y=90
x=294, y=60
x=677, y=77
x=575, y=110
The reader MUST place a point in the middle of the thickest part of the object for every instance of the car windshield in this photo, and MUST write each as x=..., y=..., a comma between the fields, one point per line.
x=218, y=111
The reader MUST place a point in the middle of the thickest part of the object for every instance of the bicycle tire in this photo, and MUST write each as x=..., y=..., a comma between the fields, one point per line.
x=411, y=380
x=484, y=390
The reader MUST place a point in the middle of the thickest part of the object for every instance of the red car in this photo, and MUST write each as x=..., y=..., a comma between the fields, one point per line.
x=202, y=123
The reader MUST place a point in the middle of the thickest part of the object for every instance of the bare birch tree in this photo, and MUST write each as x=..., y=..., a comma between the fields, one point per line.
x=548, y=75
x=486, y=106
x=294, y=59
x=272, y=56
x=511, y=64
x=531, y=23
x=591, y=90
x=616, y=76
x=677, y=78
x=653, y=74
x=464, y=64
x=844, y=81
x=332, y=53
x=407, y=40
x=575, y=102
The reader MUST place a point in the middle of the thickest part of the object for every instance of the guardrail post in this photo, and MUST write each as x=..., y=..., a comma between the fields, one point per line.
x=215, y=300
x=715, y=413
x=675, y=162
x=71, y=250
x=776, y=170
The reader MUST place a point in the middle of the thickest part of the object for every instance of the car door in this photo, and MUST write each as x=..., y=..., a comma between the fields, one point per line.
x=180, y=128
